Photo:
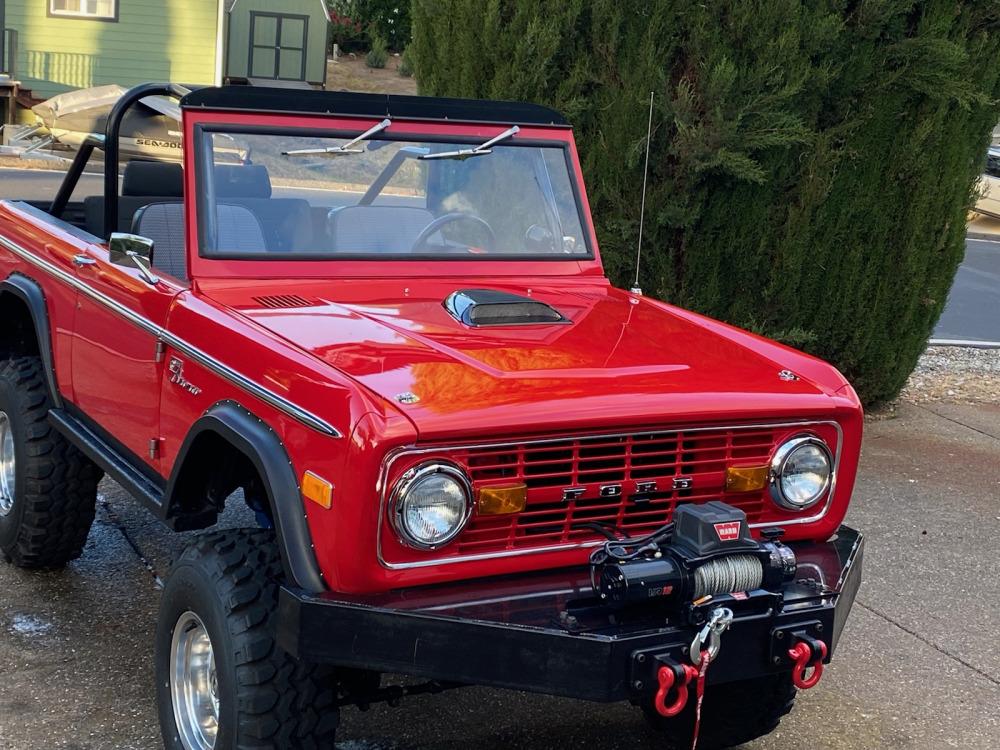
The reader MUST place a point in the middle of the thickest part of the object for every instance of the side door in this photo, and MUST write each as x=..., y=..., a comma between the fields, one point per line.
x=117, y=357
x=278, y=46
x=47, y=249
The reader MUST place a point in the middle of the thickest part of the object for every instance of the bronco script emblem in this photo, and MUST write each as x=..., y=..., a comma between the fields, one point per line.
x=176, y=368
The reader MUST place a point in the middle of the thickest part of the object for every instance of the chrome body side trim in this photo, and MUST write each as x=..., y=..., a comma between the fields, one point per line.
x=444, y=450
x=224, y=371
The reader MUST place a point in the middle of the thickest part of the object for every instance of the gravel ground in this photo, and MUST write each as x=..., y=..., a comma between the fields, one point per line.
x=955, y=374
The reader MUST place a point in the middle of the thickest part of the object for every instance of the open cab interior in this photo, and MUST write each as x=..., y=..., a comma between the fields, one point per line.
x=335, y=188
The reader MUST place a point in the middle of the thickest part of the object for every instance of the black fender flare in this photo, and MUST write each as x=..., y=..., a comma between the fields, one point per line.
x=30, y=293
x=261, y=445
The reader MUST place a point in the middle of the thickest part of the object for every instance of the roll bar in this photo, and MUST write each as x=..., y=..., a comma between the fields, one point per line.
x=111, y=145
x=76, y=168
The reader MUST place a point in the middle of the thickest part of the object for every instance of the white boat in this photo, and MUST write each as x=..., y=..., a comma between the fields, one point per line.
x=151, y=129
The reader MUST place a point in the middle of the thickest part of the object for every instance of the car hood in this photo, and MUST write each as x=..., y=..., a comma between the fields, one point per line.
x=620, y=360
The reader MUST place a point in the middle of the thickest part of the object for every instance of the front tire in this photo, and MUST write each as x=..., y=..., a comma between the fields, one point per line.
x=48, y=488
x=732, y=713
x=222, y=681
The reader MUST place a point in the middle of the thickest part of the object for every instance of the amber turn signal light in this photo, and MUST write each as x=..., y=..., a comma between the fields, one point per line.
x=498, y=501
x=746, y=478
x=317, y=489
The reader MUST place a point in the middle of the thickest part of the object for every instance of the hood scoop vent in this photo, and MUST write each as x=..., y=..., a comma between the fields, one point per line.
x=284, y=301
x=489, y=307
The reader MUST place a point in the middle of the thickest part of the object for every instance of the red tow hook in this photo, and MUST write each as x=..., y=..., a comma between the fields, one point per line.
x=807, y=654
x=667, y=676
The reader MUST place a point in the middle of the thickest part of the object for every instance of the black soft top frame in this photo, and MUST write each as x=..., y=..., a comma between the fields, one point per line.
x=344, y=103
x=288, y=101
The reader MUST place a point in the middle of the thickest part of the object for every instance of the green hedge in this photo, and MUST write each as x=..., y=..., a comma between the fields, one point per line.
x=812, y=161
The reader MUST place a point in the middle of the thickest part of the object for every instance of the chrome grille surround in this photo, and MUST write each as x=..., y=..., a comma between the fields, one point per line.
x=449, y=451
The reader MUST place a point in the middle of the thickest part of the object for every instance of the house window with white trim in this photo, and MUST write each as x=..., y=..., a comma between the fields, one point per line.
x=106, y=10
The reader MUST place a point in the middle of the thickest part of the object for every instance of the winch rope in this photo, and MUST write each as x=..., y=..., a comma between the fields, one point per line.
x=718, y=623
x=728, y=574
x=699, y=697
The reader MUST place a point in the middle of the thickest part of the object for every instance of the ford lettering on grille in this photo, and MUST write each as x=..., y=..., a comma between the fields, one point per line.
x=631, y=483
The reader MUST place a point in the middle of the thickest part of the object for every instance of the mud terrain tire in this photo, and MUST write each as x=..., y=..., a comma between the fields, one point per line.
x=732, y=713
x=265, y=698
x=51, y=505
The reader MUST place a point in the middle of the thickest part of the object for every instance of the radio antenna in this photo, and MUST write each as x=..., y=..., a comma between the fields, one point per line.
x=642, y=209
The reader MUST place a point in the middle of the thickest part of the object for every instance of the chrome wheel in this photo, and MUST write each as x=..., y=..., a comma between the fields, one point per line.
x=194, y=686
x=7, y=475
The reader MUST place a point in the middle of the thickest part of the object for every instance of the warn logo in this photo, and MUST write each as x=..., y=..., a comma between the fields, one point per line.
x=728, y=531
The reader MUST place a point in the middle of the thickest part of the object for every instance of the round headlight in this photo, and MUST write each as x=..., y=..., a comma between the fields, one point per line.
x=801, y=472
x=431, y=504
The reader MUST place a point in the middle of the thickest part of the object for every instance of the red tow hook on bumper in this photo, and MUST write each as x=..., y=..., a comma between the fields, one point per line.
x=667, y=676
x=808, y=653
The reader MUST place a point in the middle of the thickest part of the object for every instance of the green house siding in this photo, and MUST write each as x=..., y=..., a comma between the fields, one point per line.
x=152, y=40
x=294, y=14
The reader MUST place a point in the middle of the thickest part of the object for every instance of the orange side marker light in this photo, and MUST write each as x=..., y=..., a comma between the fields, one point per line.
x=498, y=501
x=317, y=489
x=746, y=478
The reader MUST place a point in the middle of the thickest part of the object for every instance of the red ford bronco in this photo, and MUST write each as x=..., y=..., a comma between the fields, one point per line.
x=383, y=324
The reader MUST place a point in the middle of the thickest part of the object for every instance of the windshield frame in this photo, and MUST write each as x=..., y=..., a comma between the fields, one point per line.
x=408, y=131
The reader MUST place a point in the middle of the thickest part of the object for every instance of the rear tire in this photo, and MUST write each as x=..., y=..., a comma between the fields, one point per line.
x=48, y=489
x=223, y=591
x=732, y=713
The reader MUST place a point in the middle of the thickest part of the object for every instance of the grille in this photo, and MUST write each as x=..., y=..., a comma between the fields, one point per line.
x=630, y=482
x=284, y=301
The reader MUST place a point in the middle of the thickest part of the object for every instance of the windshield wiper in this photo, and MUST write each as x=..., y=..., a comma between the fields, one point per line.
x=344, y=148
x=466, y=153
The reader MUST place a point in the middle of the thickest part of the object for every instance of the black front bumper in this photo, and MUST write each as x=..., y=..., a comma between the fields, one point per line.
x=546, y=633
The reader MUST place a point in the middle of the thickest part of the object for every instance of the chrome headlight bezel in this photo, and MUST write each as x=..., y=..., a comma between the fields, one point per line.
x=405, y=484
x=780, y=460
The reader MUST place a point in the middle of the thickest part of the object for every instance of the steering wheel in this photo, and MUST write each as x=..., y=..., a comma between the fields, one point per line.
x=450, y=218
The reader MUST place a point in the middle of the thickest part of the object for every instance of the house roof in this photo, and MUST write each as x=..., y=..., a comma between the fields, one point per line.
x=345, y=103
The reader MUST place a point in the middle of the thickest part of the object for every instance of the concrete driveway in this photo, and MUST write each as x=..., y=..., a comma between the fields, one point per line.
x=918, y=665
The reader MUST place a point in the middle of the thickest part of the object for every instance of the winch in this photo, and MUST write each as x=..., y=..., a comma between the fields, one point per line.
x=707, y=550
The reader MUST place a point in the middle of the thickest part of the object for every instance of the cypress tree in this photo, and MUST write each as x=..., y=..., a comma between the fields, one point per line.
x=812, y=161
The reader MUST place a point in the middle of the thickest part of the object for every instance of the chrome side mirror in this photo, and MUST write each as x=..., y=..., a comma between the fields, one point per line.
x=133, y=251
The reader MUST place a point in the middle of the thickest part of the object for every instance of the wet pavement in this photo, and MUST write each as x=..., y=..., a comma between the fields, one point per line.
x=917, y=667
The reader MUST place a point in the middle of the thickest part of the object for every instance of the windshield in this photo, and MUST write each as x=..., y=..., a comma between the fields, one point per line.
x=365, y=195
